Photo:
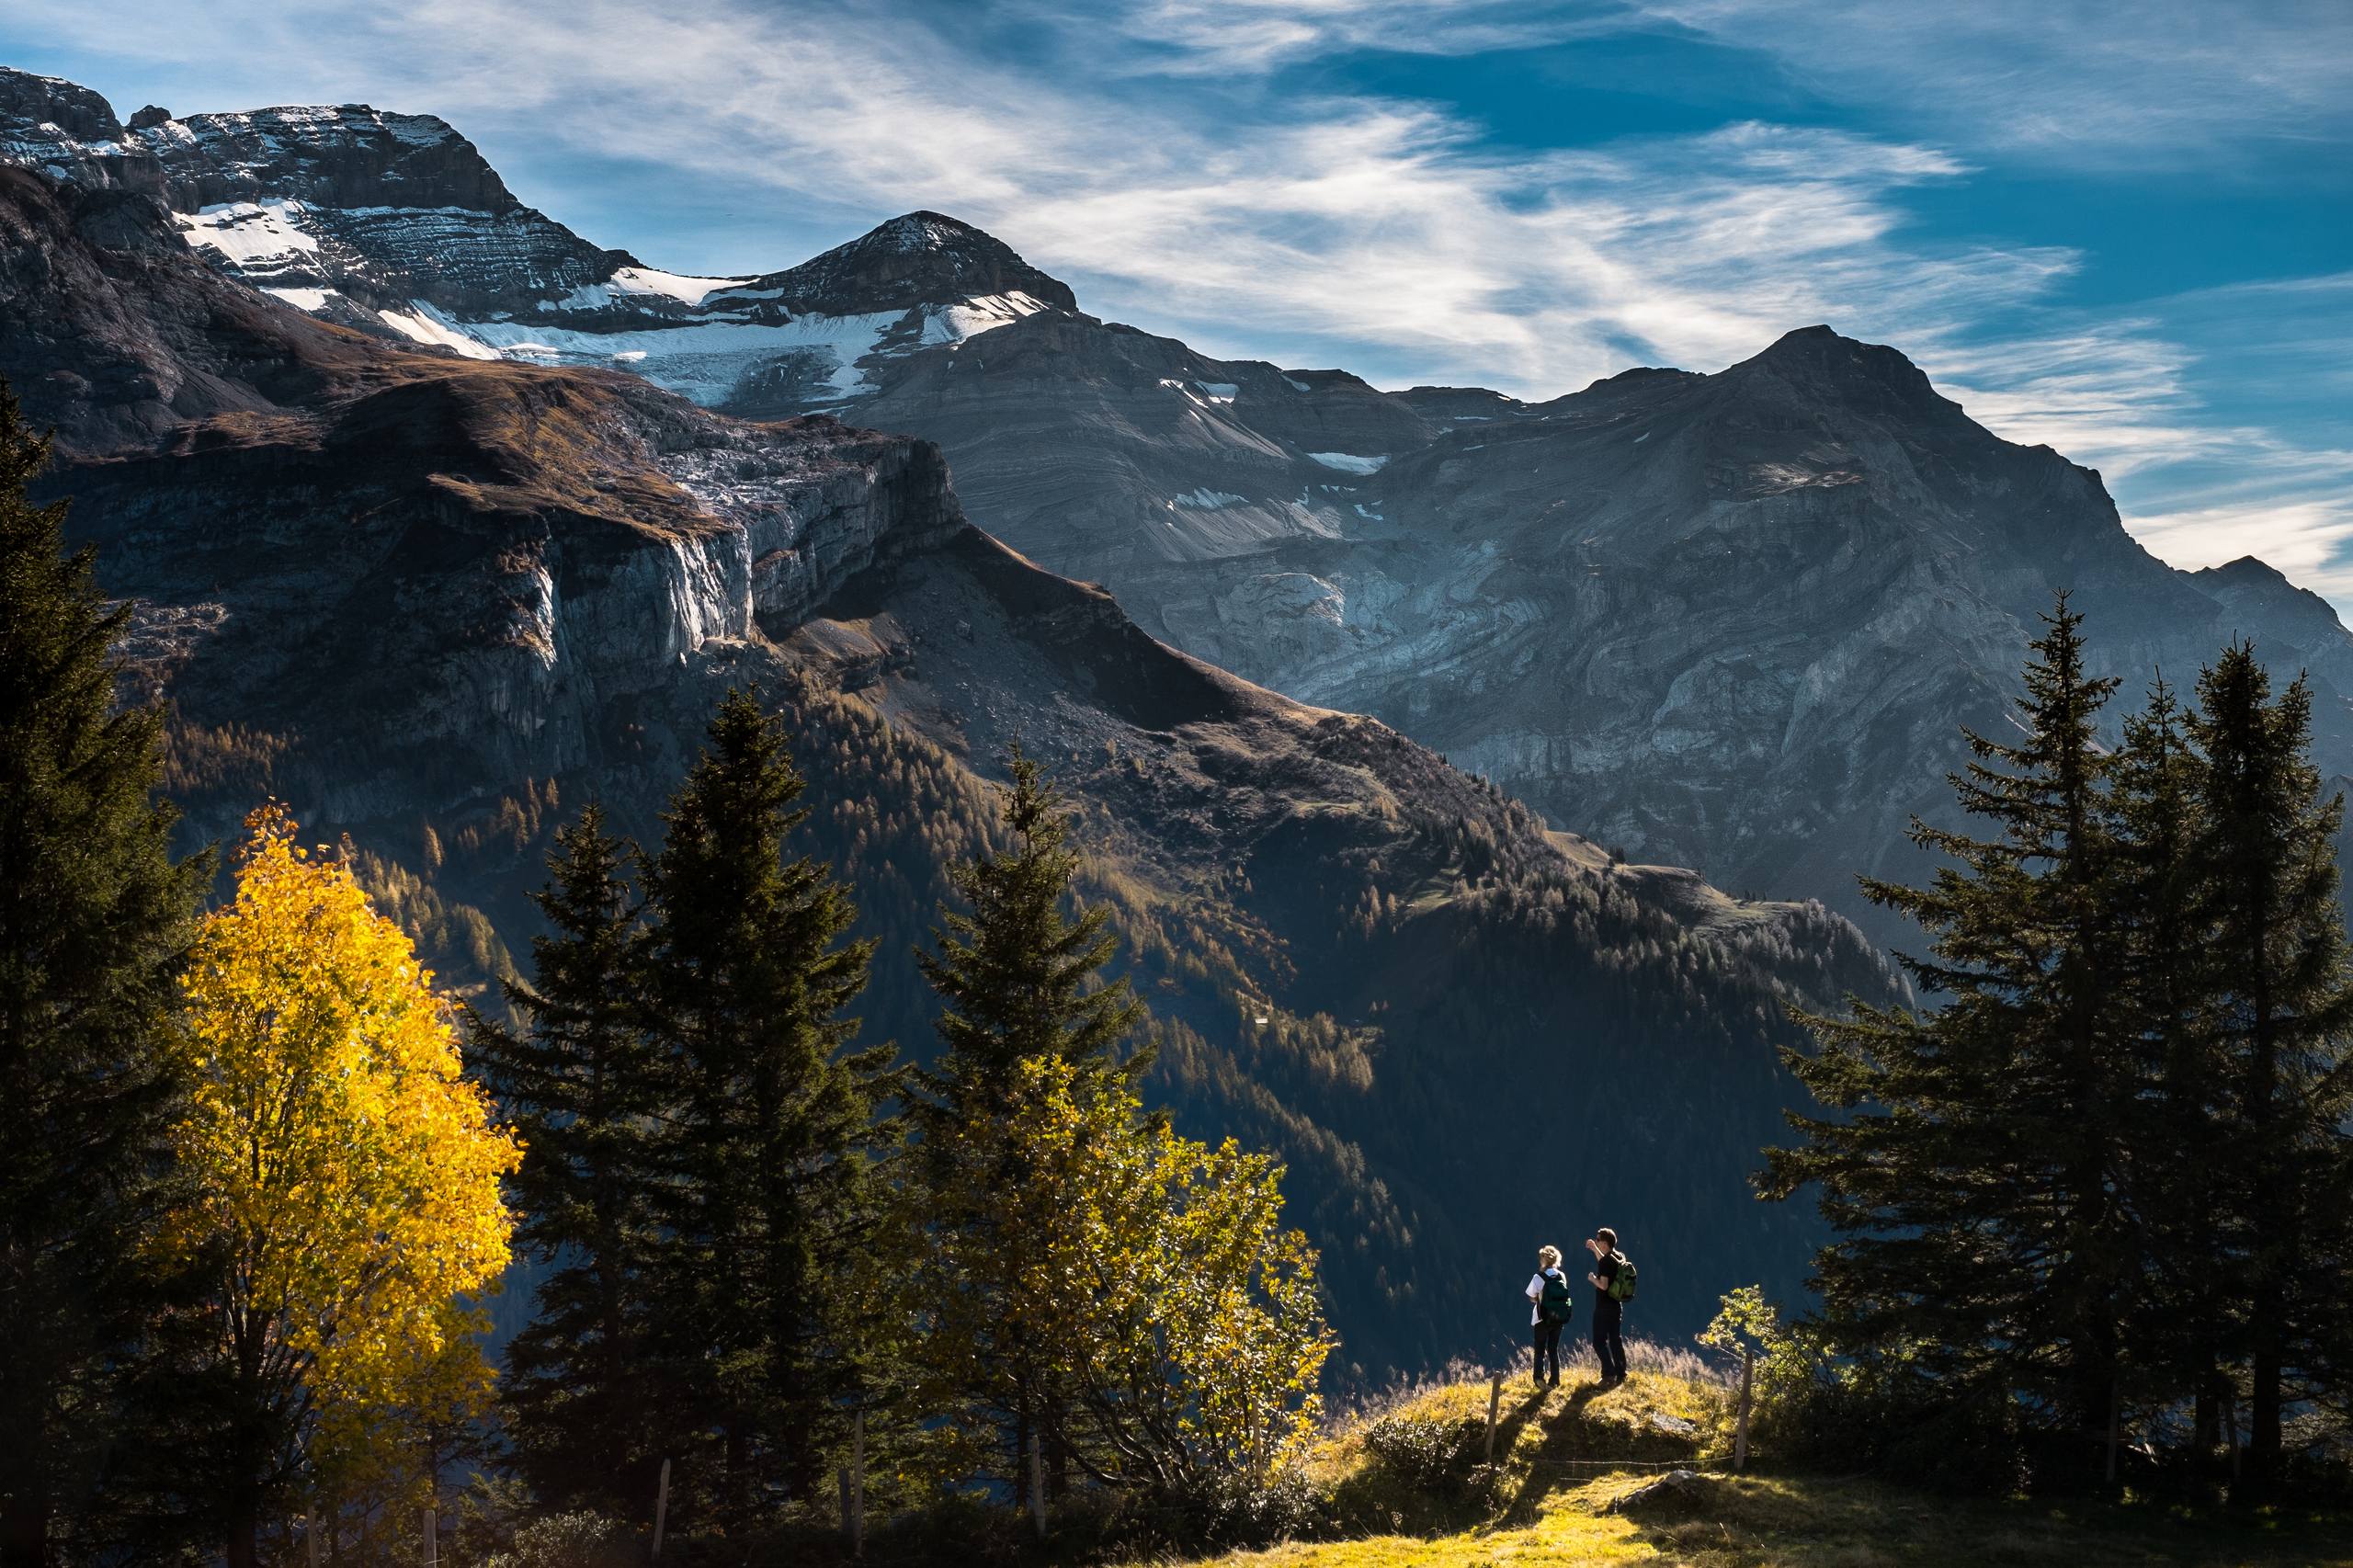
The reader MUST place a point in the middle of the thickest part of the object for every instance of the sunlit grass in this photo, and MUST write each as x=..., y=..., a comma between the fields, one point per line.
x=1564, y=1456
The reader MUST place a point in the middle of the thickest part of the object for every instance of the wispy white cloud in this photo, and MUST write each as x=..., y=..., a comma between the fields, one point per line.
x=2107, y=81
x=1205, y=37
x=2305, y=539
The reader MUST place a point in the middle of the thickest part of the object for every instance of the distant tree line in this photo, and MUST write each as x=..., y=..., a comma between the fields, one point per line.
x=258, y=1168
x=2095, y=1203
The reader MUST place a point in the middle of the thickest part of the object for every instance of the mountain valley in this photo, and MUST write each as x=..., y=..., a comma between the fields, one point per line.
x=435, y=602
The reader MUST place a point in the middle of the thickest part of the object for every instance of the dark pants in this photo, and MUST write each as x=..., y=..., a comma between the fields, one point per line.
x=1548, y=1348
x=1607, y=1346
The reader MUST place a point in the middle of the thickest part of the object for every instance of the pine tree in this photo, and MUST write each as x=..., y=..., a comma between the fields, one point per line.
x=581, y=1084
x=1021, y=984
x=2284, y=1006
x=1020, y=980
x=1974, y=1187
x=95, y=915
x=774, y=1126
x=2180, y=1316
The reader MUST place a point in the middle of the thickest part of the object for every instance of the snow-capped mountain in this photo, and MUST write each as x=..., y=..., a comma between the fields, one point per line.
x=394, y=223
x=1732, y=621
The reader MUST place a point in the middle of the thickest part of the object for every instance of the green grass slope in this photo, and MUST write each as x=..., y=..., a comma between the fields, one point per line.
x=1408, y=1483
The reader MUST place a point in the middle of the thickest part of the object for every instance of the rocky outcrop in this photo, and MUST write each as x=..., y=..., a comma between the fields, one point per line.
x=112, y=338
x=916, y=260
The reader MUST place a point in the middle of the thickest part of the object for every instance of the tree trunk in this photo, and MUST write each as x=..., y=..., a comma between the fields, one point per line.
x=24, y=1522
x=2206, y=1419
x=2264, y=1417
x=242, y=1545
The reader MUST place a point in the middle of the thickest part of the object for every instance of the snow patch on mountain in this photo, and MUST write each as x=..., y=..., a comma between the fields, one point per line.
x=1349, y=462
x=427, y=325
x=633, y=284
x=1207, y=500
x=954, y=324
x=251, y=236
x=709, y=359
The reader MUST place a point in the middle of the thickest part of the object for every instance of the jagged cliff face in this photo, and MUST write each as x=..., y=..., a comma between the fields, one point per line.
x=436, y=602
x=1732, y=621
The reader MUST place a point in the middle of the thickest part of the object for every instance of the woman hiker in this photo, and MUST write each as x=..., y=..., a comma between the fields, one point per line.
x=1548, y=1312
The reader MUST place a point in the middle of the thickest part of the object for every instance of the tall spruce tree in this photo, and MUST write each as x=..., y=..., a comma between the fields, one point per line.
x=1021, y=983
x=95, y=915
x=2179, y=1322
x=2277, y=1244
x=1974, y=1184
x=774, y=1128
x=1020, y=980
x=581, y=1084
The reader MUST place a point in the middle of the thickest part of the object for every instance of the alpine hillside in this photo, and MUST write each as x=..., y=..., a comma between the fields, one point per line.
x=436, y=602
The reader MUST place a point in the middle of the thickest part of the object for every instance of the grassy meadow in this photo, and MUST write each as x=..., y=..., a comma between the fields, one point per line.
x=1408, y=1484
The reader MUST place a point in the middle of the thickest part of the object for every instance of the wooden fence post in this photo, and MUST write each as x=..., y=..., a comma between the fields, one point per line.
x=1037, y=1485
x=1740, y=1432
x=661, y=1508
x=2116, y=1422
x=1494, y=1403
x=432, y=1536
x=858, y=1484
x=311, y=1535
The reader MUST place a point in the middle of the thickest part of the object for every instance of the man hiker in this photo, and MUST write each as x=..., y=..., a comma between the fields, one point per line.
x=1549, y=1303
x=1613, y=1287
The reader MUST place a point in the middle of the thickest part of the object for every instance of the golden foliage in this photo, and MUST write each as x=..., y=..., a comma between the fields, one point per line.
x=348, y=1176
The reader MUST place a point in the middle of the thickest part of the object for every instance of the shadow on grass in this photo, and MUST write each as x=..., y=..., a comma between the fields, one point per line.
x=1577, y=1443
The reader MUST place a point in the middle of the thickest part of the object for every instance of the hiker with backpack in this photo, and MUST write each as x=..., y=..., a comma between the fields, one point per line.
x=1613, y=1285
x=1549, y=1303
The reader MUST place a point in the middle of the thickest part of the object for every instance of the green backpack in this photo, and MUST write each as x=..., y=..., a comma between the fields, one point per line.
x=1621, y=1284
x=1558, y=1302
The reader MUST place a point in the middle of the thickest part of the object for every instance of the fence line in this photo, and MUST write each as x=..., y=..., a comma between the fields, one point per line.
x=1717, y=1461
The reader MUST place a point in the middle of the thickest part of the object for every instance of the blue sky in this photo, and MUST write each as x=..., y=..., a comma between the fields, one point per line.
x=2123, y=229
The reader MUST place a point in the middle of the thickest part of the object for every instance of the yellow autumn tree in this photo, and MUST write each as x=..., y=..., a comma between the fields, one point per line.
x=346, y=1188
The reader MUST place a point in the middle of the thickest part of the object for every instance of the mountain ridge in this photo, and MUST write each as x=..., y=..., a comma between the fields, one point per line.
x=1747, y=645
x=435, y=602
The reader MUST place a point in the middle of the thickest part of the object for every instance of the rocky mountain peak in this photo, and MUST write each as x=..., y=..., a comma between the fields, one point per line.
x=2260, y=599
x=914, y=260
x=2245, y=572
x=329, y=156
x=29, y=102
x=1818, y=362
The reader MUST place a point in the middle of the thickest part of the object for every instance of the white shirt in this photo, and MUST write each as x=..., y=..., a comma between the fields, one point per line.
x=1536, y=1296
